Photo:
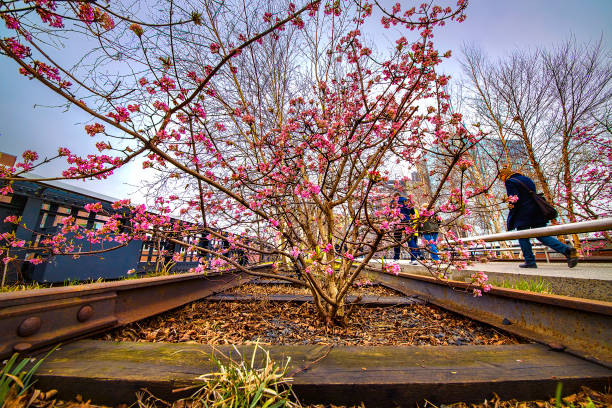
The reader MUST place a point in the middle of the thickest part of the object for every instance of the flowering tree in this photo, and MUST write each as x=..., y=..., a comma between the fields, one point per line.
x=267, y=127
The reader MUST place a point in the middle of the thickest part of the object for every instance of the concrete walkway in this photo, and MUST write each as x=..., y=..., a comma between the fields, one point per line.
x=586, y=280
x=600, y=271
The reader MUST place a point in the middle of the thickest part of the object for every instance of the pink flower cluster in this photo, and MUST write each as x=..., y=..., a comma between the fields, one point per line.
x=16, y=48
x=93, y=207
x=307, y=190
x=94, y=129
x=13, y=219
x=480, y=279
x=393, y=268
x=165, y=83
x=99, y=167
x=120, y=115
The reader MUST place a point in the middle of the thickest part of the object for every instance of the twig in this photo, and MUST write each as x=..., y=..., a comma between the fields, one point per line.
x=312, y=363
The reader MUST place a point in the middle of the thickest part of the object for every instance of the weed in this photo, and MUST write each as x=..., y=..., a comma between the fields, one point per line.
x=237, y=385
x=14, y=379
x=23, y=286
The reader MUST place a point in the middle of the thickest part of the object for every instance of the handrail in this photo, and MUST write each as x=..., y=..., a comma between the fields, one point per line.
x=601, y=224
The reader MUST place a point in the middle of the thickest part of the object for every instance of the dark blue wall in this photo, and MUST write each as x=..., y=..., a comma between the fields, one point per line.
x=108, y=265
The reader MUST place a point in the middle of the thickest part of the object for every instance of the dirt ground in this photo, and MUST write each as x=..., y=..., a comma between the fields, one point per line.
x=286, y=323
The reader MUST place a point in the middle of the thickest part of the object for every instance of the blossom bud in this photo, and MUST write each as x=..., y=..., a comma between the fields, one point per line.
x=137, y=29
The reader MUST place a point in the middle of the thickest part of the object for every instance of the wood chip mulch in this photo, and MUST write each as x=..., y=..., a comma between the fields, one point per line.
x=288, y=323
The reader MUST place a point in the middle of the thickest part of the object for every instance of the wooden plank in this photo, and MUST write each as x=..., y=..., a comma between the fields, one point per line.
x=111, y=372
x=364, y=300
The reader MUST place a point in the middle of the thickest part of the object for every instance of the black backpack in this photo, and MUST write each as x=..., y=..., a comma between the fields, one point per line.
x=548, y=211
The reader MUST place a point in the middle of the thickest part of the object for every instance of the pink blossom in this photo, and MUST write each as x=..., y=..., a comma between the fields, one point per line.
x=392, y=267
x=327, y=248
x=248, y=118
x=6, y=190
x=13, y=219
x=35, y=261
x=18, y=243
x=86, y=13
x=165, y=83
x=121, y=203
x=16, y=48
x=63, y=151
x=214, y=48
x=159, y=105
x=121, y=114
x=93, y=207
x=11, y=23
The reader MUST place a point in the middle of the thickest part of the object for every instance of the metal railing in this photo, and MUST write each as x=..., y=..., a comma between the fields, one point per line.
x=602, y=224
x=514, y=249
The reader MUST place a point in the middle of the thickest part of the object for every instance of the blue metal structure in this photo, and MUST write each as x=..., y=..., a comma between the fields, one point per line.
x=43, y=205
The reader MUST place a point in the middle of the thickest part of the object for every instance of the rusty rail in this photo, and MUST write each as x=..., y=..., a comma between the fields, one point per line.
x=33, y=319
x=579, y=326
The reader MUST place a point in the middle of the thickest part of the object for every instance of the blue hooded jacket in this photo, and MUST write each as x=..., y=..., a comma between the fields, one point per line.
x=525, y=212
x=405, y=209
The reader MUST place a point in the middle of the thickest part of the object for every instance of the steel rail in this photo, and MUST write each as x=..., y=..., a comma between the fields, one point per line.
x=32, y=319
x=602, y=224
x=580, y=326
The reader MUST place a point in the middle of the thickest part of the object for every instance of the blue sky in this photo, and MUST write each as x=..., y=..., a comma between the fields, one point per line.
x=497, y=26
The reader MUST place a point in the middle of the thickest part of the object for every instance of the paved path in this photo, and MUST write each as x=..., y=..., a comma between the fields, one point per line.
x=601, y=271
x=586, y=280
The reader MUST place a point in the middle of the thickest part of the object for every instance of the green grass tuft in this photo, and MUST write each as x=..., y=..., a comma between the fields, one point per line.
x=530, y=285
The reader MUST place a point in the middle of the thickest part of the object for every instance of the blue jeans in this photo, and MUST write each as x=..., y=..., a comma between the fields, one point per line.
x=551, y=242
x=433, y=249
x=415, y=252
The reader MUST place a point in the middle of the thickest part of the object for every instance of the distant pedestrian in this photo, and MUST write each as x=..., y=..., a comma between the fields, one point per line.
x=525, y=214
x=203, y=243
x=430, y=230
x=409, y=217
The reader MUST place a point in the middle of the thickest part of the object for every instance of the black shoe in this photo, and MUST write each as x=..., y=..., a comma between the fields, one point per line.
x=526, y=265
x=572, y=257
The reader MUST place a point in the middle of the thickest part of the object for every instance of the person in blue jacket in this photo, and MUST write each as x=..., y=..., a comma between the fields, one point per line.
x=409, y=217
x=525, y=214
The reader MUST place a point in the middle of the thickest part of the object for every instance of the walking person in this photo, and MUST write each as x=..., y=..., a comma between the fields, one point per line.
x=409, y=217
x=430, y=230
x=525, y=214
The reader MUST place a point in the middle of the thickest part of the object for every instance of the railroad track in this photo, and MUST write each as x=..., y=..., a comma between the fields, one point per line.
x=575, y=335
x=579, y=326
x=33, y=319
